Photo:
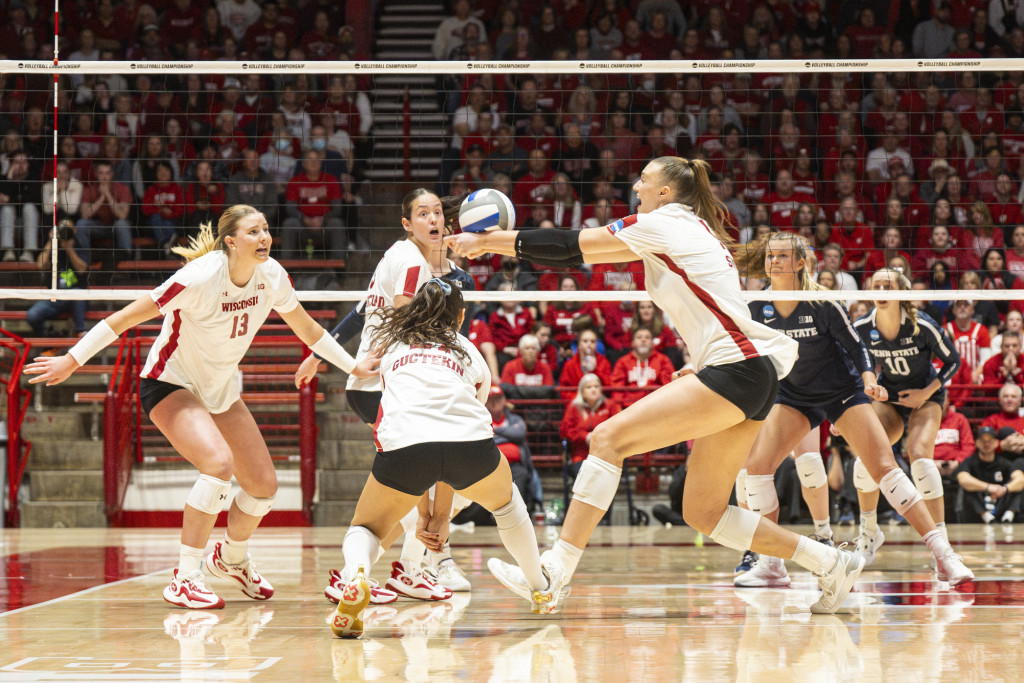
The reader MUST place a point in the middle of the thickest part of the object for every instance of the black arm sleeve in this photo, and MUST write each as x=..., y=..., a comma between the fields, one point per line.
x=548, y=247
x=942, y=348
x=842, y=330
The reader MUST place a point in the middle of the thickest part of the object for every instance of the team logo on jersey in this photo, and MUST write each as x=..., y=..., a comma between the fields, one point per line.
x=806, y=319
x=875, y=336
x=907, y=341
x=616, y=226
x=768, y=310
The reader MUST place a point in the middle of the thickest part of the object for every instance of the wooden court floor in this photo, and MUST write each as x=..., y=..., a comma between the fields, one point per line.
x=648, y=604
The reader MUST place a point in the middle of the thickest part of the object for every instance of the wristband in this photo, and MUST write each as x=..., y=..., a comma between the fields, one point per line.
x=330, y=350
x=95, y=340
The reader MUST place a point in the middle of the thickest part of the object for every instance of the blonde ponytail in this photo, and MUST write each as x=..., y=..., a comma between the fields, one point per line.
x=206, y=241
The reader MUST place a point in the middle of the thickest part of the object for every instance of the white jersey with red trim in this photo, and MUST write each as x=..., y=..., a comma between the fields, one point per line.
x=691, y=276
x=402, y=271
x=209, y=323
x=430, y=394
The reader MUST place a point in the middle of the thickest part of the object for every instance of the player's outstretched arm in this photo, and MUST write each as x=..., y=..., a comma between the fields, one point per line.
x=546, y=247
x=54, y=370
x=324, y=345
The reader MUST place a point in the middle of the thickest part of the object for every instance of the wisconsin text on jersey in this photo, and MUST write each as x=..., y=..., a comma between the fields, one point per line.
x=229, y=306
x=430, y=355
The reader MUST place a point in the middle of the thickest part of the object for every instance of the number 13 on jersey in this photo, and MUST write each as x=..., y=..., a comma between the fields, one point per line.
x=240, y=325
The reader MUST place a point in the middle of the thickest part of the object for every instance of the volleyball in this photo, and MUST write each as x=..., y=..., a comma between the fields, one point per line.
x=486, y=210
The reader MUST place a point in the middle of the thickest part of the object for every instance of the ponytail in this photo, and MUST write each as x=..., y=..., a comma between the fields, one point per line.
x=690, y=181
x=206, y=241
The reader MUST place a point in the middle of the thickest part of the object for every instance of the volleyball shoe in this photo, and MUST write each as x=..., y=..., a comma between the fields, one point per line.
x=417, y=583
x=837, y=582
x=348, y=617
x=191, y=592
x=249, y=580
x=547, y=601
x=868, y=544
x=767, y=572
x=451, y=576
x=378, y=595
x=747, y=562
x=951, y=569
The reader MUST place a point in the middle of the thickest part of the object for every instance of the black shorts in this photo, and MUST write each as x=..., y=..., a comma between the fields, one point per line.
x=152, y=391
x=831, y=411
x=365, y=404
x=938, y=397
x=750, y=384
x=416, y=468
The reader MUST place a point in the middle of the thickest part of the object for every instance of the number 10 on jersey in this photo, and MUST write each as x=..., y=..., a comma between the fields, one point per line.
x=897, y=366
x=241, y=325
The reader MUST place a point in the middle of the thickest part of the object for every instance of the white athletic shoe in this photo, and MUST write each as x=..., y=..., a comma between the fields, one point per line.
x=348, y=618
x=867, y=545
x=191, y=592
x=249, y=580
x=416, y=583
x=378, y=595
x=451, y=576
x=836, y=583
x=767, y=572
x=951, y=568
x=550, y=600
x=511, y=577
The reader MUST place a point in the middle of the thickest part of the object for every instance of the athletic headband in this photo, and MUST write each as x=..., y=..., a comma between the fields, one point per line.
x=445, y=286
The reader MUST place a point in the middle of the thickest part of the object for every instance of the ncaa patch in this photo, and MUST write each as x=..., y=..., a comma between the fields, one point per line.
x=768, y=310
x=616, y=226
x=875, y=336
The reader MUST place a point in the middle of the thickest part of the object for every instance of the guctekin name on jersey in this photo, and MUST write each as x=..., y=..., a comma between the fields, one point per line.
x=229, y=306
x=440, y=356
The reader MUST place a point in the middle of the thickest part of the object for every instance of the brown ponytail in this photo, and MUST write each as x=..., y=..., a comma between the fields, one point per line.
x=689, y=180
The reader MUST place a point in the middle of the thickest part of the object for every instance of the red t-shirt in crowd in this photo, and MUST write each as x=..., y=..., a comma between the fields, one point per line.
x=577, y=424
x=954, y=440
x=515, y=372
x=506, y=329
x=313, y=197
x=646, y=375
x=164, y=195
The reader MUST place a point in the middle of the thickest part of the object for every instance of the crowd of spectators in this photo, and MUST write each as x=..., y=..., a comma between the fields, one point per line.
x=922, y=171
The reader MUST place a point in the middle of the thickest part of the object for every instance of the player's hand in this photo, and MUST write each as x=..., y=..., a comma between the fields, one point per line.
x=368, y=365
x=834, y=431
x=307, y=371
x=50, y=369
x=469, y=245
x=876, y=392
x=913, y=398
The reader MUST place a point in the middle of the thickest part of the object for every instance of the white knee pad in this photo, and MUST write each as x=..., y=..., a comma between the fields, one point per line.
x=597, y=483
x=209, y=494
x=741, y=487
x=736, y=528
x=861, y=479
x=811, y=469
x=761, y=495
x=250, y=505
x=927, y=478
x=513, y=513
x=899, y=490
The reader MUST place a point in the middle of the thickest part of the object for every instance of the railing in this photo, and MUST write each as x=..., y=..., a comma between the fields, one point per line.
x=17, y=350
x=122, y=442
x=308, y=434
x=406, y=135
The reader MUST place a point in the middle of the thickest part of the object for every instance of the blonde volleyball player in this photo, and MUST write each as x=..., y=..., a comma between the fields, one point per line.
x=406, y=265
x=833, y=379
x=435, y=384
x=690, y=274
x=212, y=309
x=903, y=341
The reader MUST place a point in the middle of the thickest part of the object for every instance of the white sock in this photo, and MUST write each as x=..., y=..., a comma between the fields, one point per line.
x=813, y=556
x=380, y=553
x=412, y=551
x=941, y=526
x=435, y=559
x=569, y=555
x=521, y=543
x=359, y=549
x=189, y=559
x=937, y=543
x=869, y=521
x=233, y=552
x=822, y=528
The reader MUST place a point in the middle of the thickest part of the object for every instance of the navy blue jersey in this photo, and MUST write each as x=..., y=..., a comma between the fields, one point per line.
x=831, y=357
x=906, y=361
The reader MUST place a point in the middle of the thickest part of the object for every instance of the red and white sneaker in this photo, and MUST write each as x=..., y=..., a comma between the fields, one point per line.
x=348, y=618
x=415, y=583
x=191, y=592
x=249, y=580
x=378, y=595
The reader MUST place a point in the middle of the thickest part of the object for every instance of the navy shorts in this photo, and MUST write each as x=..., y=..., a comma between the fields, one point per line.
x=414, y=469
x=819, y=412
x=152, y=391
x=938, y=397
x=750, y=384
